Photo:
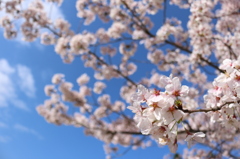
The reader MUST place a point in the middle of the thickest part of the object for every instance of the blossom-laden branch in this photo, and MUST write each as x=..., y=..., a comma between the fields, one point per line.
x=203, y=111
x=159, y=113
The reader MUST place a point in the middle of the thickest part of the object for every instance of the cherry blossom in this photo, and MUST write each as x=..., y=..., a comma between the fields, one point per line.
x=196, y=136
x=179, y=79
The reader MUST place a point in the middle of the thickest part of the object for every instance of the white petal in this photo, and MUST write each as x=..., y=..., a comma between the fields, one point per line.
x=176, y=83
x=199, y=134
x=184, y=91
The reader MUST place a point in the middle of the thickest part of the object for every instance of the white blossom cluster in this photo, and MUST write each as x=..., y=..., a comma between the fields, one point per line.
x=159, y=113
x=225, y=95
x=89, y=117
x=131, y=43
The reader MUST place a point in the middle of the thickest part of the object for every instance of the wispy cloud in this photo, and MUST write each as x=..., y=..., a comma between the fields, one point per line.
x=20, y=104
x=8, y=88
x=25, y=129
x=5, y=67
x=3, y=125
x=26, y=80
x=4, y=139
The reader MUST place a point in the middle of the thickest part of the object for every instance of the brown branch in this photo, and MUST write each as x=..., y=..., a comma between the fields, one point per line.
x=130, y=147
x=225, y=15
x=207, y=110
x=145, y=29
x=53, y=31
x=117, y=71
x=229, y=48
x=188, y=51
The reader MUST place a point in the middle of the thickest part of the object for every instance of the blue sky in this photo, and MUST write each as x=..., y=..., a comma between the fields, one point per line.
x=24, y=71
x=23, y=133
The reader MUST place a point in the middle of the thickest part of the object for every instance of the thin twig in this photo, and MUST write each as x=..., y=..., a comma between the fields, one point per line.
x=207, y=110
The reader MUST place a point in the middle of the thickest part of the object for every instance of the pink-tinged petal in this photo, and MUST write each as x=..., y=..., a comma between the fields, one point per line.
x=196, y=136
x=144, y=125
x=167, y=118
x=176, y=83
x=157, y=113
x=177, y=114
x=238, y=91
x=154, y=98
x=135, y=97
x=189, y=140
x=142, y=89
x=188, y=137
x=173, y=147
x=190, y=143
x=170, y=102
x=140, y=95
x=214, y=117
x=184, y=91
x=164, y=80
x=200, y=134
x=170, y=88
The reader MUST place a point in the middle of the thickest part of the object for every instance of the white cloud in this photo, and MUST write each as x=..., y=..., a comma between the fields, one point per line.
x=20, y=104
x=9, y=88
x=3, y=125
x=4, y=139
x=6, y=89
x=26, y=81
x=5, y=67
x=25, y=129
